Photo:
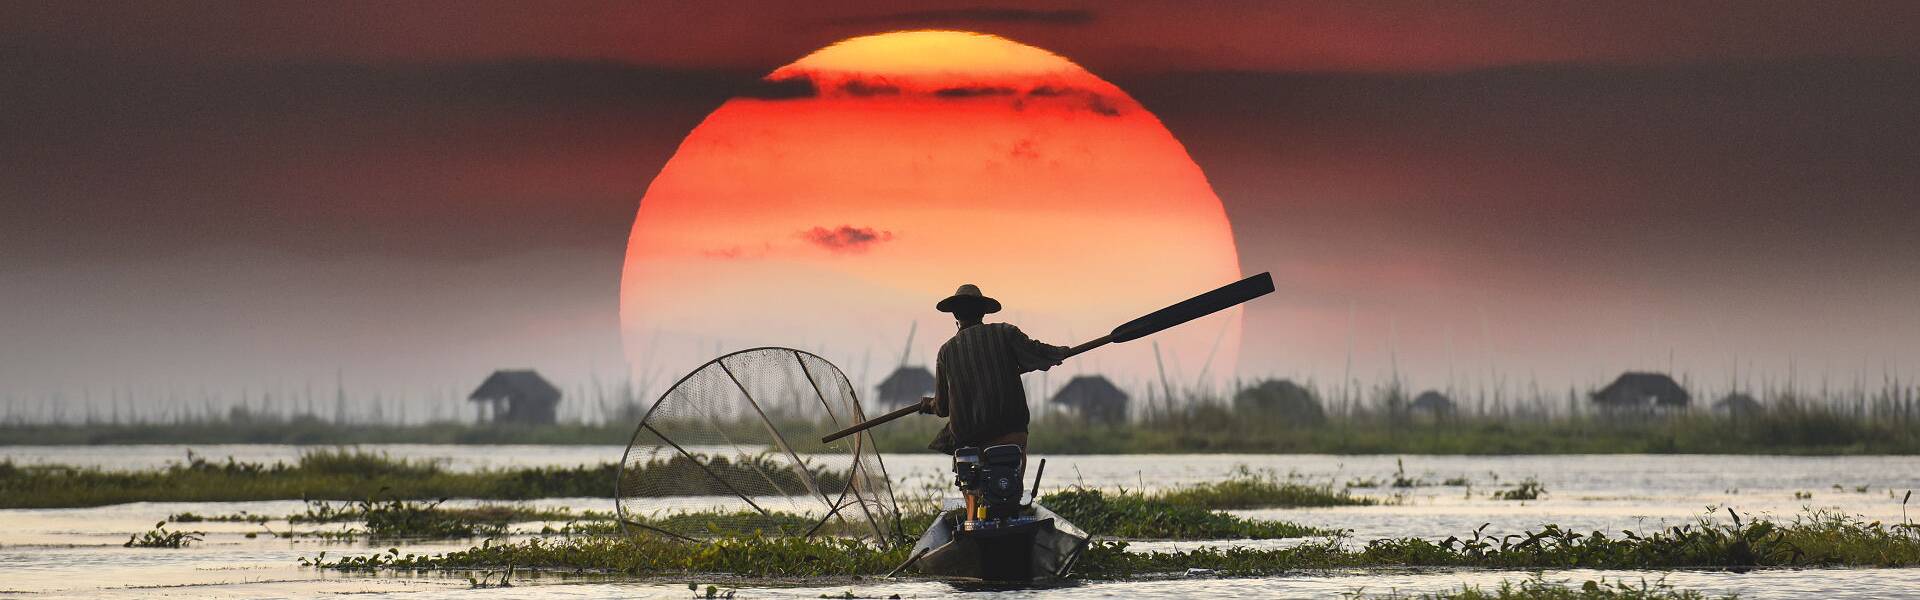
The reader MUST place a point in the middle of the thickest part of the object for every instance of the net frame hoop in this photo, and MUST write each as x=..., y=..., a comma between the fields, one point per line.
x=620, y=508
x=859, y=445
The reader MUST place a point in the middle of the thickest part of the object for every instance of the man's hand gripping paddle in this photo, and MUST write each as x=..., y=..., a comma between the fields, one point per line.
x=1225, y=297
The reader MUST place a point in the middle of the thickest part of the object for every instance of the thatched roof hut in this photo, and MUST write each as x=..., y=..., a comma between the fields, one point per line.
x=1094, y=398
x=1431, y=402
x=1282, y=400
x=906, y=385
x=518, y=397
x=1643, y=390
x=1738, y=404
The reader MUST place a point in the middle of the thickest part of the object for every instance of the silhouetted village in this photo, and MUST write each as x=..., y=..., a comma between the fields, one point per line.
x=525, y=400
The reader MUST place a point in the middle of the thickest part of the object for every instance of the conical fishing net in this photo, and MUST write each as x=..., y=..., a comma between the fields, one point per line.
x=734, y=448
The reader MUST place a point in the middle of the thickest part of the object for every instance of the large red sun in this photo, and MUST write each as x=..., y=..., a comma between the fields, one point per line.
x=890, y=169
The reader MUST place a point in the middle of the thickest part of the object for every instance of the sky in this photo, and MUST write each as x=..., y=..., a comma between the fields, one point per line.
x=214, y=195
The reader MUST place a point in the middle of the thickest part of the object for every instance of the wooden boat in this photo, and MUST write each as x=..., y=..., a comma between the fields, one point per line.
x=1037, y=546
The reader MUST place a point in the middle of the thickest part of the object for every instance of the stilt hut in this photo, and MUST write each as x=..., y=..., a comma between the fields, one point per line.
x=1642, y=391
x=906, y=385
x=1737, y=405
x=1094, y=399
x=522, y=397
x=1280, y=400
x=1432, y=404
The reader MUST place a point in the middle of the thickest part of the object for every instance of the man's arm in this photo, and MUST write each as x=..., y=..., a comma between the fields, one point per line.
x=1033, y=355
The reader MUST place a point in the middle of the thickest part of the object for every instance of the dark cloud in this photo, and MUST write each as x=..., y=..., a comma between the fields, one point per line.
x=846, y=239
x=992, y=15
x=793, y=87
x=133, y=159
x=973, y=91
x=864, y=89
x=1100, y=105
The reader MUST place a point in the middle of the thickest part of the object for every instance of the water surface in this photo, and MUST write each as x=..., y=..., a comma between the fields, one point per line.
x=77, y=553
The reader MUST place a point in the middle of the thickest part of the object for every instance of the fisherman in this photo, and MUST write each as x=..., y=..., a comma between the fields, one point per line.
x=977, y=376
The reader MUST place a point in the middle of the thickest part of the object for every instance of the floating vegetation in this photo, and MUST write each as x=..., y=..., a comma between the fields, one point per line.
x=159, y=537
x=749, y=556
x=1539, y=588
x=1128, y=515
x=405, y=519
x=1816, y=539
x=346, y=475
x=1246, y=490
x=1819, y=539
x=239, y=517
x=1137, y=516
x=1529, y=489
x=485, y=580
x=1400, y=479
x=321, y=511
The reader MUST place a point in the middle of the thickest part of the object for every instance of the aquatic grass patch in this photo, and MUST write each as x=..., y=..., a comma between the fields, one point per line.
x=748, y=556
x=1814, y=540
x=239, y=517
x=322, y=511
x=1528, y=489
x=1247, y=490
x=395, y=519
x=352, y=475
x=1137, y=516
x=348, y=461
x=406, y=519
x=1539, y=588
x=1123, y=514
x=160, y=537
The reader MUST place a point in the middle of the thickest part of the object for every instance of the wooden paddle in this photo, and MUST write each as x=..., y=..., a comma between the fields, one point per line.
x=1225, y=297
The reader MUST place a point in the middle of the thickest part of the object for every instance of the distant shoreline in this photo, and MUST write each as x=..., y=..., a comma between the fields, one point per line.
x=1800, y=434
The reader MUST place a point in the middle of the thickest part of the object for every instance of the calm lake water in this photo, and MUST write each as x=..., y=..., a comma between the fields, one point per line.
x=76, y=552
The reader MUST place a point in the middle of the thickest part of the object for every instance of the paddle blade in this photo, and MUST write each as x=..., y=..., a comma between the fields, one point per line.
x=1193, y=308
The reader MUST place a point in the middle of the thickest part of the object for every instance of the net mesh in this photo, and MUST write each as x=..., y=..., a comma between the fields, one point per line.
x=734, y=448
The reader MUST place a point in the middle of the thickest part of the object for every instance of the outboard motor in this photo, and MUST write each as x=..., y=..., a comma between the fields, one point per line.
x=996, y=522
x=990, y=480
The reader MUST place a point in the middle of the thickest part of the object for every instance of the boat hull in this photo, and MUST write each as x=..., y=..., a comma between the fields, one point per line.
x=1041, y=550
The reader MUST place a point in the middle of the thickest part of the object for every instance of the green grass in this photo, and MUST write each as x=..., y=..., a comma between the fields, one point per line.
x=1815, y=540
x=353, y=475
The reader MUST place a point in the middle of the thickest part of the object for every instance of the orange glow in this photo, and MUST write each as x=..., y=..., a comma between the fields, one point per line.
x=933, y=57
x=926, y=160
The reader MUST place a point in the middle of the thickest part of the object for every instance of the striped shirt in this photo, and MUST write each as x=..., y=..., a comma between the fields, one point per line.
x=977, y=383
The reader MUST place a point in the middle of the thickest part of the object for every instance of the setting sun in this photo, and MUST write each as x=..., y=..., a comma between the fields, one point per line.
x=909, y=163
